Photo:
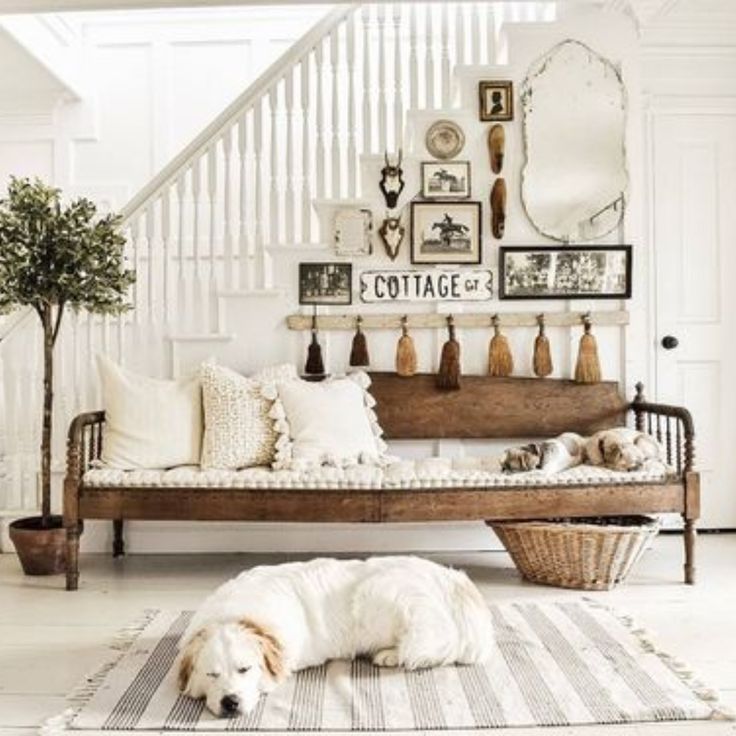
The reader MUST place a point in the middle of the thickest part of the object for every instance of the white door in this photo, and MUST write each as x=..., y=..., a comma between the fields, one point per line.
x=695, y=259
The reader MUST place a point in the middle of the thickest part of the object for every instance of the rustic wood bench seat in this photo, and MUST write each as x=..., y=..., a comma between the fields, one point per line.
x=410, y=409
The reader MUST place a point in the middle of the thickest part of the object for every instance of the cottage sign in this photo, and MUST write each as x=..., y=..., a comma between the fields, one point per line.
x=426, y=285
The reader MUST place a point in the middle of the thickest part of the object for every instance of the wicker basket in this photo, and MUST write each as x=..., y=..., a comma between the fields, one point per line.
x=587, y=554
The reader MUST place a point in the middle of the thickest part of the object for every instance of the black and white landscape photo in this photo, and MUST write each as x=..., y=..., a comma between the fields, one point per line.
x=446, y=180
x=591, y=272
x=445, y=232
x=325, y=283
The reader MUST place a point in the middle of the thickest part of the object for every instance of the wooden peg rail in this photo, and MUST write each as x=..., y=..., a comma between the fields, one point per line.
x=383, y=321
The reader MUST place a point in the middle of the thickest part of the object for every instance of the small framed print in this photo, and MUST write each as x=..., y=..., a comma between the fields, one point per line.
x=569, y=272
x=446, y=232
x=446, y=179
x=325, y=283
x=496, y=100
x=353, y=232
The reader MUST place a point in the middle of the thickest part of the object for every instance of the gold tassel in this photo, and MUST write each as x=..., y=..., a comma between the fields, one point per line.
x=315, y=365
x=500, y=360
x=542, y=362
x=448, y=376
x=588, y=368
x=406, y=353
x=359, y=350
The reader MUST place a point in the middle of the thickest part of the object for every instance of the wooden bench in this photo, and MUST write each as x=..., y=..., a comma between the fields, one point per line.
x=411, y=409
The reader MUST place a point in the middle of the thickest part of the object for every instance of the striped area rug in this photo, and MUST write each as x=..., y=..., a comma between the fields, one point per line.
x=554, y=664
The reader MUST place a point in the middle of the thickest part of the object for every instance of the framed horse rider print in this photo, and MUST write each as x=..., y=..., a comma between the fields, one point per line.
x=446, y=232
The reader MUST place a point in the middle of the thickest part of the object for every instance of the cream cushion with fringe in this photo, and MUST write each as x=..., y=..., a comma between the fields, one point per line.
x=149, y=422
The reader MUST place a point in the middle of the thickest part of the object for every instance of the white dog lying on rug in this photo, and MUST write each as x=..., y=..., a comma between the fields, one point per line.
x=258, y=628
x=620, y=448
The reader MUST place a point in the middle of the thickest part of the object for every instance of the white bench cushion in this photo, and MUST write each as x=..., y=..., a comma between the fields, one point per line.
x=429, y=473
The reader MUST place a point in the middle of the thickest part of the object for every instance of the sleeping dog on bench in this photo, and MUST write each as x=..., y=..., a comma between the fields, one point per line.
x=620, y=448
x=268, y=622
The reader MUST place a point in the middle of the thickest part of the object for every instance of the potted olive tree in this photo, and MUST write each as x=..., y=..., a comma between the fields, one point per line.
x=53, y=257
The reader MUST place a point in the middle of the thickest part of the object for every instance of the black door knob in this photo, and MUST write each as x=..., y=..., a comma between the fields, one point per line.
x=670, y=342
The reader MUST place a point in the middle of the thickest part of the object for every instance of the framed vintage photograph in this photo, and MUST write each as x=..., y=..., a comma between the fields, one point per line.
x=496, y=100
x=566, y=272
x=353, y=232
x=325, y=283
x=446, y=179
x=446, y=232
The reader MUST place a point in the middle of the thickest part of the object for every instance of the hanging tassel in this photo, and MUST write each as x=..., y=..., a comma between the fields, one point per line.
x=500, y=360
x=542, y=362
x=448, y=376
x=315, y=365
x=588, y=368
x=359, y=350
x=406, y=353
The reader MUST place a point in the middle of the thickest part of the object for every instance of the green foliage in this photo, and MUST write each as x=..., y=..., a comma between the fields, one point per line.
x=53, y=255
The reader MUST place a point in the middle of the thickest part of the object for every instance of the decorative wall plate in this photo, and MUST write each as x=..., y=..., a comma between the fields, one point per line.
x=444, y=139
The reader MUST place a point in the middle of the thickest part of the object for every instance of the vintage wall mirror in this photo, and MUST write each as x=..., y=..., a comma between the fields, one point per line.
x=575, y=179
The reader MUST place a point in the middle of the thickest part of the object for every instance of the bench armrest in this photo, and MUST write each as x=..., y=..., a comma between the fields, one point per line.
x=84, y=443
x=671, y=426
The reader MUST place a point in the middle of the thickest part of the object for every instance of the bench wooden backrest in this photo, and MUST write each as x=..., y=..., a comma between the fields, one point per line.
x=486, y=407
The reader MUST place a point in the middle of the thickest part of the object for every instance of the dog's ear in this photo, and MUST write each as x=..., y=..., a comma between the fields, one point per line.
x=271, y=649
x=186, y=660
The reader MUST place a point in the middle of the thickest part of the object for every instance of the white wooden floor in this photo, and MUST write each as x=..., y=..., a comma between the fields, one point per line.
x=50, y=639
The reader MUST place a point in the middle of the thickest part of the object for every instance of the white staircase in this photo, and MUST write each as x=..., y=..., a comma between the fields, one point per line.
x=216, y=237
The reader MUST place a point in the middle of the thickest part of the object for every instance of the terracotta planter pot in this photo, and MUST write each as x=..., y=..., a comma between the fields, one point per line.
x=41, y=549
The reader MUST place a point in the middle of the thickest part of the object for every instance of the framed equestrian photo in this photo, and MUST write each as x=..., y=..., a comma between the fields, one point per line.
x=325, y=283
x=446, y=180
x=496, y=100
x=570, y=272
x=446, y=232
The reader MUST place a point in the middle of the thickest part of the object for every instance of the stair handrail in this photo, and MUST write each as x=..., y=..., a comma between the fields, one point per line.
x=290, y=58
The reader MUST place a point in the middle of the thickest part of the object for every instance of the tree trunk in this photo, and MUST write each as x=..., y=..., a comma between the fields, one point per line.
x=48, y=404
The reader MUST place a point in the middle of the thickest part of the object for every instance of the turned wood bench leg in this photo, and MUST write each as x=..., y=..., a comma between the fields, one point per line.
x=73, y=532
x=690, y=516
x=118, y=542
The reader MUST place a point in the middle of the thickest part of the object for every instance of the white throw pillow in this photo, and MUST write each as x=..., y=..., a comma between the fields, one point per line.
x=327, y=423
x=149, y=422
x=238, y=432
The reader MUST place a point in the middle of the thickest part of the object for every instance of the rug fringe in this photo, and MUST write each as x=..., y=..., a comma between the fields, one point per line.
x=719, y=711
x=121, y=642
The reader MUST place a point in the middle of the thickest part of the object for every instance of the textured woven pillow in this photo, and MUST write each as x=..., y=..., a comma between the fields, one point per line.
x=238, y=432
x=326, y=423
x=149, y=422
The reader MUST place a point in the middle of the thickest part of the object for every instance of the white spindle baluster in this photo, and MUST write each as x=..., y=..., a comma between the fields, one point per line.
x=150, y=271
x=228, y=247
x=166, y=242
x=243, y=244
x=413, y=60
x=365, y=17
x=490, y=34
x=306, y=148
x=320, y=122
x=260, y=264
x=182, y=308
x=460, y=43
x=398, y=80
x=290, y=198
x=382, y=105
x=199, y=283
x=135, y=241
x=429, y=56
x=352, y=150
x=273, y=141
x=336, y=182
x=445, y=36
x=475, y=32
x=211, y=294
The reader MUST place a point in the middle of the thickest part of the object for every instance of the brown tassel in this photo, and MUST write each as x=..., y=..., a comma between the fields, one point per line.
x=406, y=353
x=448, y=376
x=588, y=368
x=359, y=350
x=315, y=365
x=500, y=360
x=542, y=362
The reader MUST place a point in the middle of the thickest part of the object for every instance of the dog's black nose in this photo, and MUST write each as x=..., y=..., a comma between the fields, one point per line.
x=230, y=704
